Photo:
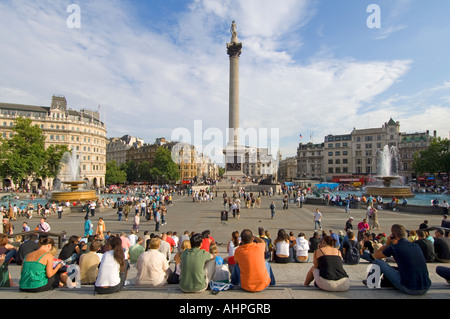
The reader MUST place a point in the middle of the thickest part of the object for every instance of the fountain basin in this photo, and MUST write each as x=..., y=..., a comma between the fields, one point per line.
x=387, y=190
x=74, y=194
x=393, y=191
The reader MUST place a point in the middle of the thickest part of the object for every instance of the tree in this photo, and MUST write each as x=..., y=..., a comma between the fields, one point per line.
x=24, y=154
x=143, y=172
x=114, y=174
x=130, y=168
x=53, y=157
x=434, y=160
x=164, y=168
x=221, y=171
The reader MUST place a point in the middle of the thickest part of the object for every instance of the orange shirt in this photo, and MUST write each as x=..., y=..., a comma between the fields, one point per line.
x=254, y=275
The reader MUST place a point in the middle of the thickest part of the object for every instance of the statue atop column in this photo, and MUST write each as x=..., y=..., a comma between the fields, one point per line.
x=234, y=34
x=234, y=47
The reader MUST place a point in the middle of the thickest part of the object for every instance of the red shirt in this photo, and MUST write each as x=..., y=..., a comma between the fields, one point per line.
x=206, y=243
x=171, y=242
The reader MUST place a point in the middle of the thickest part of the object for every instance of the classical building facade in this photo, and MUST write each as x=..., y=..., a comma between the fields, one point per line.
x=352, y=158
x=310, y=161
x=337, y=155
x=366, y=142
x=259, y=163
x=82, y=131
x=117, y=147
x=191, y=165
x=408, y=146
x=287, y=171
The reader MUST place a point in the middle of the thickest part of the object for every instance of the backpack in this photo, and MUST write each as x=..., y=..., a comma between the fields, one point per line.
x=353, y=255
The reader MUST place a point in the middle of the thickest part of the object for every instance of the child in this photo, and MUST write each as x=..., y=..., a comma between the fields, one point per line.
x=62, y=272
x=221, y=272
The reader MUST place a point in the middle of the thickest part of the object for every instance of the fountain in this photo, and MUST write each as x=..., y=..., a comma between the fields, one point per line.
x=69, y=177
x=387, y=172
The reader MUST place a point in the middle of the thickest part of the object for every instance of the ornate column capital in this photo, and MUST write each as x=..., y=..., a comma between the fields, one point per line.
x=234, y=49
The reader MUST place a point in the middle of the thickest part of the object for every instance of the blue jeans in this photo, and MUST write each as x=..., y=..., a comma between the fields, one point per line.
x=317, y=223
x=367, y=256
x=236, y=275
x=10, y=255
x=393, y=275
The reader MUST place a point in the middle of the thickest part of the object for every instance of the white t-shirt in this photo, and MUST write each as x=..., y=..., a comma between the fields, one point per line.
x=317, y=216
x=109, y=271
x=282, y=248
x=231, y=248
x=133, y=239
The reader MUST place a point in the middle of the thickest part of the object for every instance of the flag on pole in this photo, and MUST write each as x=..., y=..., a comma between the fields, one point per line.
x=301, y=135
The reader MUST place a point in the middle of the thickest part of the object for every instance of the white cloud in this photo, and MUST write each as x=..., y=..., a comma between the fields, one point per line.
x=150, y=83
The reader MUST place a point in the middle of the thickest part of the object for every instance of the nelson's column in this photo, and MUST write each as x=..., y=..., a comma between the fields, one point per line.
x=234, y=152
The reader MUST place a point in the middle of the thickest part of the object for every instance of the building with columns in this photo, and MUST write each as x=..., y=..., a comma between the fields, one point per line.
x=352, y=158
x=82, y=131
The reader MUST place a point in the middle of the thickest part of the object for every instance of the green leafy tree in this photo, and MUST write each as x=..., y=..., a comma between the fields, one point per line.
x=434, y=160
x=164, y=168
x=53, y=157
x=130, y=168
x=143, y=172
x=24, y=154
x=114, y=174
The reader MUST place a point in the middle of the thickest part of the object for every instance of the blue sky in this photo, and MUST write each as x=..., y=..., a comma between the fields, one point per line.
x=307, y=67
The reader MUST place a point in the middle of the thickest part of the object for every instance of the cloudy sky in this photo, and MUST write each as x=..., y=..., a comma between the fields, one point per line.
x=308, y=67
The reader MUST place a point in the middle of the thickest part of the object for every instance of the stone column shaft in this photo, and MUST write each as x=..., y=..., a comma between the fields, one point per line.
x=234, y=101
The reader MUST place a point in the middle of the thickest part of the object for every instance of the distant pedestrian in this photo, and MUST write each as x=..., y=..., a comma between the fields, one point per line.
x=272, y=210
x=285, y=202
x=92, y=206
x=88, y=227
x=317, y=219
x=157, y=218
x=347, y=205
x=60, y=210
x=349, y=224
x=120, y=212
x=136, y=222
x=445, y=207
x=101, y=228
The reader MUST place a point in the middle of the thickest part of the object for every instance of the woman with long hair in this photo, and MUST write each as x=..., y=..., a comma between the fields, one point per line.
x=281, y=247
x=37, y=273
x=232, y=245
x=327, y=271
x=113, y=268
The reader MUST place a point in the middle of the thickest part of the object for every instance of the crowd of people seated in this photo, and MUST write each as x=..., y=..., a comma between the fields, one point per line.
x=192, y=259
